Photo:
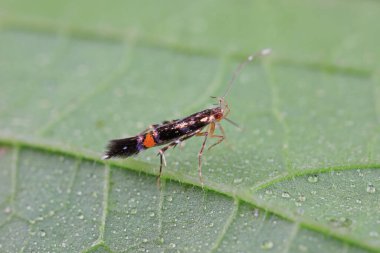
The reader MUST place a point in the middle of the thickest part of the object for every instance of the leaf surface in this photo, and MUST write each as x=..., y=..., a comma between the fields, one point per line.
x=302, y=175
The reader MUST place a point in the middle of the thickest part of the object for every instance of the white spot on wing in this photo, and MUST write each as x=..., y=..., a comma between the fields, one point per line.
x=205, y=119
x=181, y=125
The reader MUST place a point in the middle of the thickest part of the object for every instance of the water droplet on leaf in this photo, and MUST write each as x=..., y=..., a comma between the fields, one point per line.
x=267, y=244
x=301, y=198
x=312, y=178
x=42, y=233
x=371, y=188
x=238, y=180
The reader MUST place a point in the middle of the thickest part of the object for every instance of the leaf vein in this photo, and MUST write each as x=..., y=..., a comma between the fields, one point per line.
x=226, y=226
x=106, y=192
x=291, y=238
x=14, y=175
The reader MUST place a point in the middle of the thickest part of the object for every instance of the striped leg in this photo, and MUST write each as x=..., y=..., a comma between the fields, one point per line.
x=205, y=134
x=208, y=133
x=163, y=150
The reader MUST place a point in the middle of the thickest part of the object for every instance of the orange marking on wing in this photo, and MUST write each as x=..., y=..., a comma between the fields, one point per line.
x=149, y=141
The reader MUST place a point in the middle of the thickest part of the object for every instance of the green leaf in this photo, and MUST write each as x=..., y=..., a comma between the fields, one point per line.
x=302, y=175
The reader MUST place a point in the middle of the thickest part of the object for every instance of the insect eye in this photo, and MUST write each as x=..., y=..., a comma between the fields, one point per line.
x=219, y=116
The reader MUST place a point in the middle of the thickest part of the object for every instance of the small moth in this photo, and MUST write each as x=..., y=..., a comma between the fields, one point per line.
x=171, y=133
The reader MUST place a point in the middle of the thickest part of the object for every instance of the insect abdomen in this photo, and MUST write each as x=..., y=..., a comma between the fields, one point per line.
x=130, y=146
x=124, y=147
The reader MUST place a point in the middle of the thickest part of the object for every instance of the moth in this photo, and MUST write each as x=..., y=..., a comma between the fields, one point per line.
x=171, y=133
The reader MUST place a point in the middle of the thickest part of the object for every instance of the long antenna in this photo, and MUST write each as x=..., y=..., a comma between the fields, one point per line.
x=237, y=71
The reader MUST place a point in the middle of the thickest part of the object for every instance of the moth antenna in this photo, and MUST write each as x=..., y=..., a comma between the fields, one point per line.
x=234, y=124
x=237, y=71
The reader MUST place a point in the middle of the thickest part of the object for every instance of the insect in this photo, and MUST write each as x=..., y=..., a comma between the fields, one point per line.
x=171, y=133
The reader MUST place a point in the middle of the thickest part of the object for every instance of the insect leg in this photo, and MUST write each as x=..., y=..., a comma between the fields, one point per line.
x=212, y=135
x=162, y=161
x=162, y=151
x=205, y=134
x=221, y=129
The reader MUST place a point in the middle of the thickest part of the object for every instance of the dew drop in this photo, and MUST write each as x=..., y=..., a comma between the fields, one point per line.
x=371, y=188
x=256, y=212
x=285, y=195
x=42, y=233
x=267, y=244
x=172, y=245
x=40, y=218
x=145, y=240
x=134, y=211
x=301, y=198
x=81, y=216
x=7, y=210
x=169, y=198
x=238, y=180
x=268, y=192
x=312, y=178
x=152, y=214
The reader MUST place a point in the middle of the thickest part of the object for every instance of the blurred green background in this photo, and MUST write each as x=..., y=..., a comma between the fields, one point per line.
x=301, y=177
